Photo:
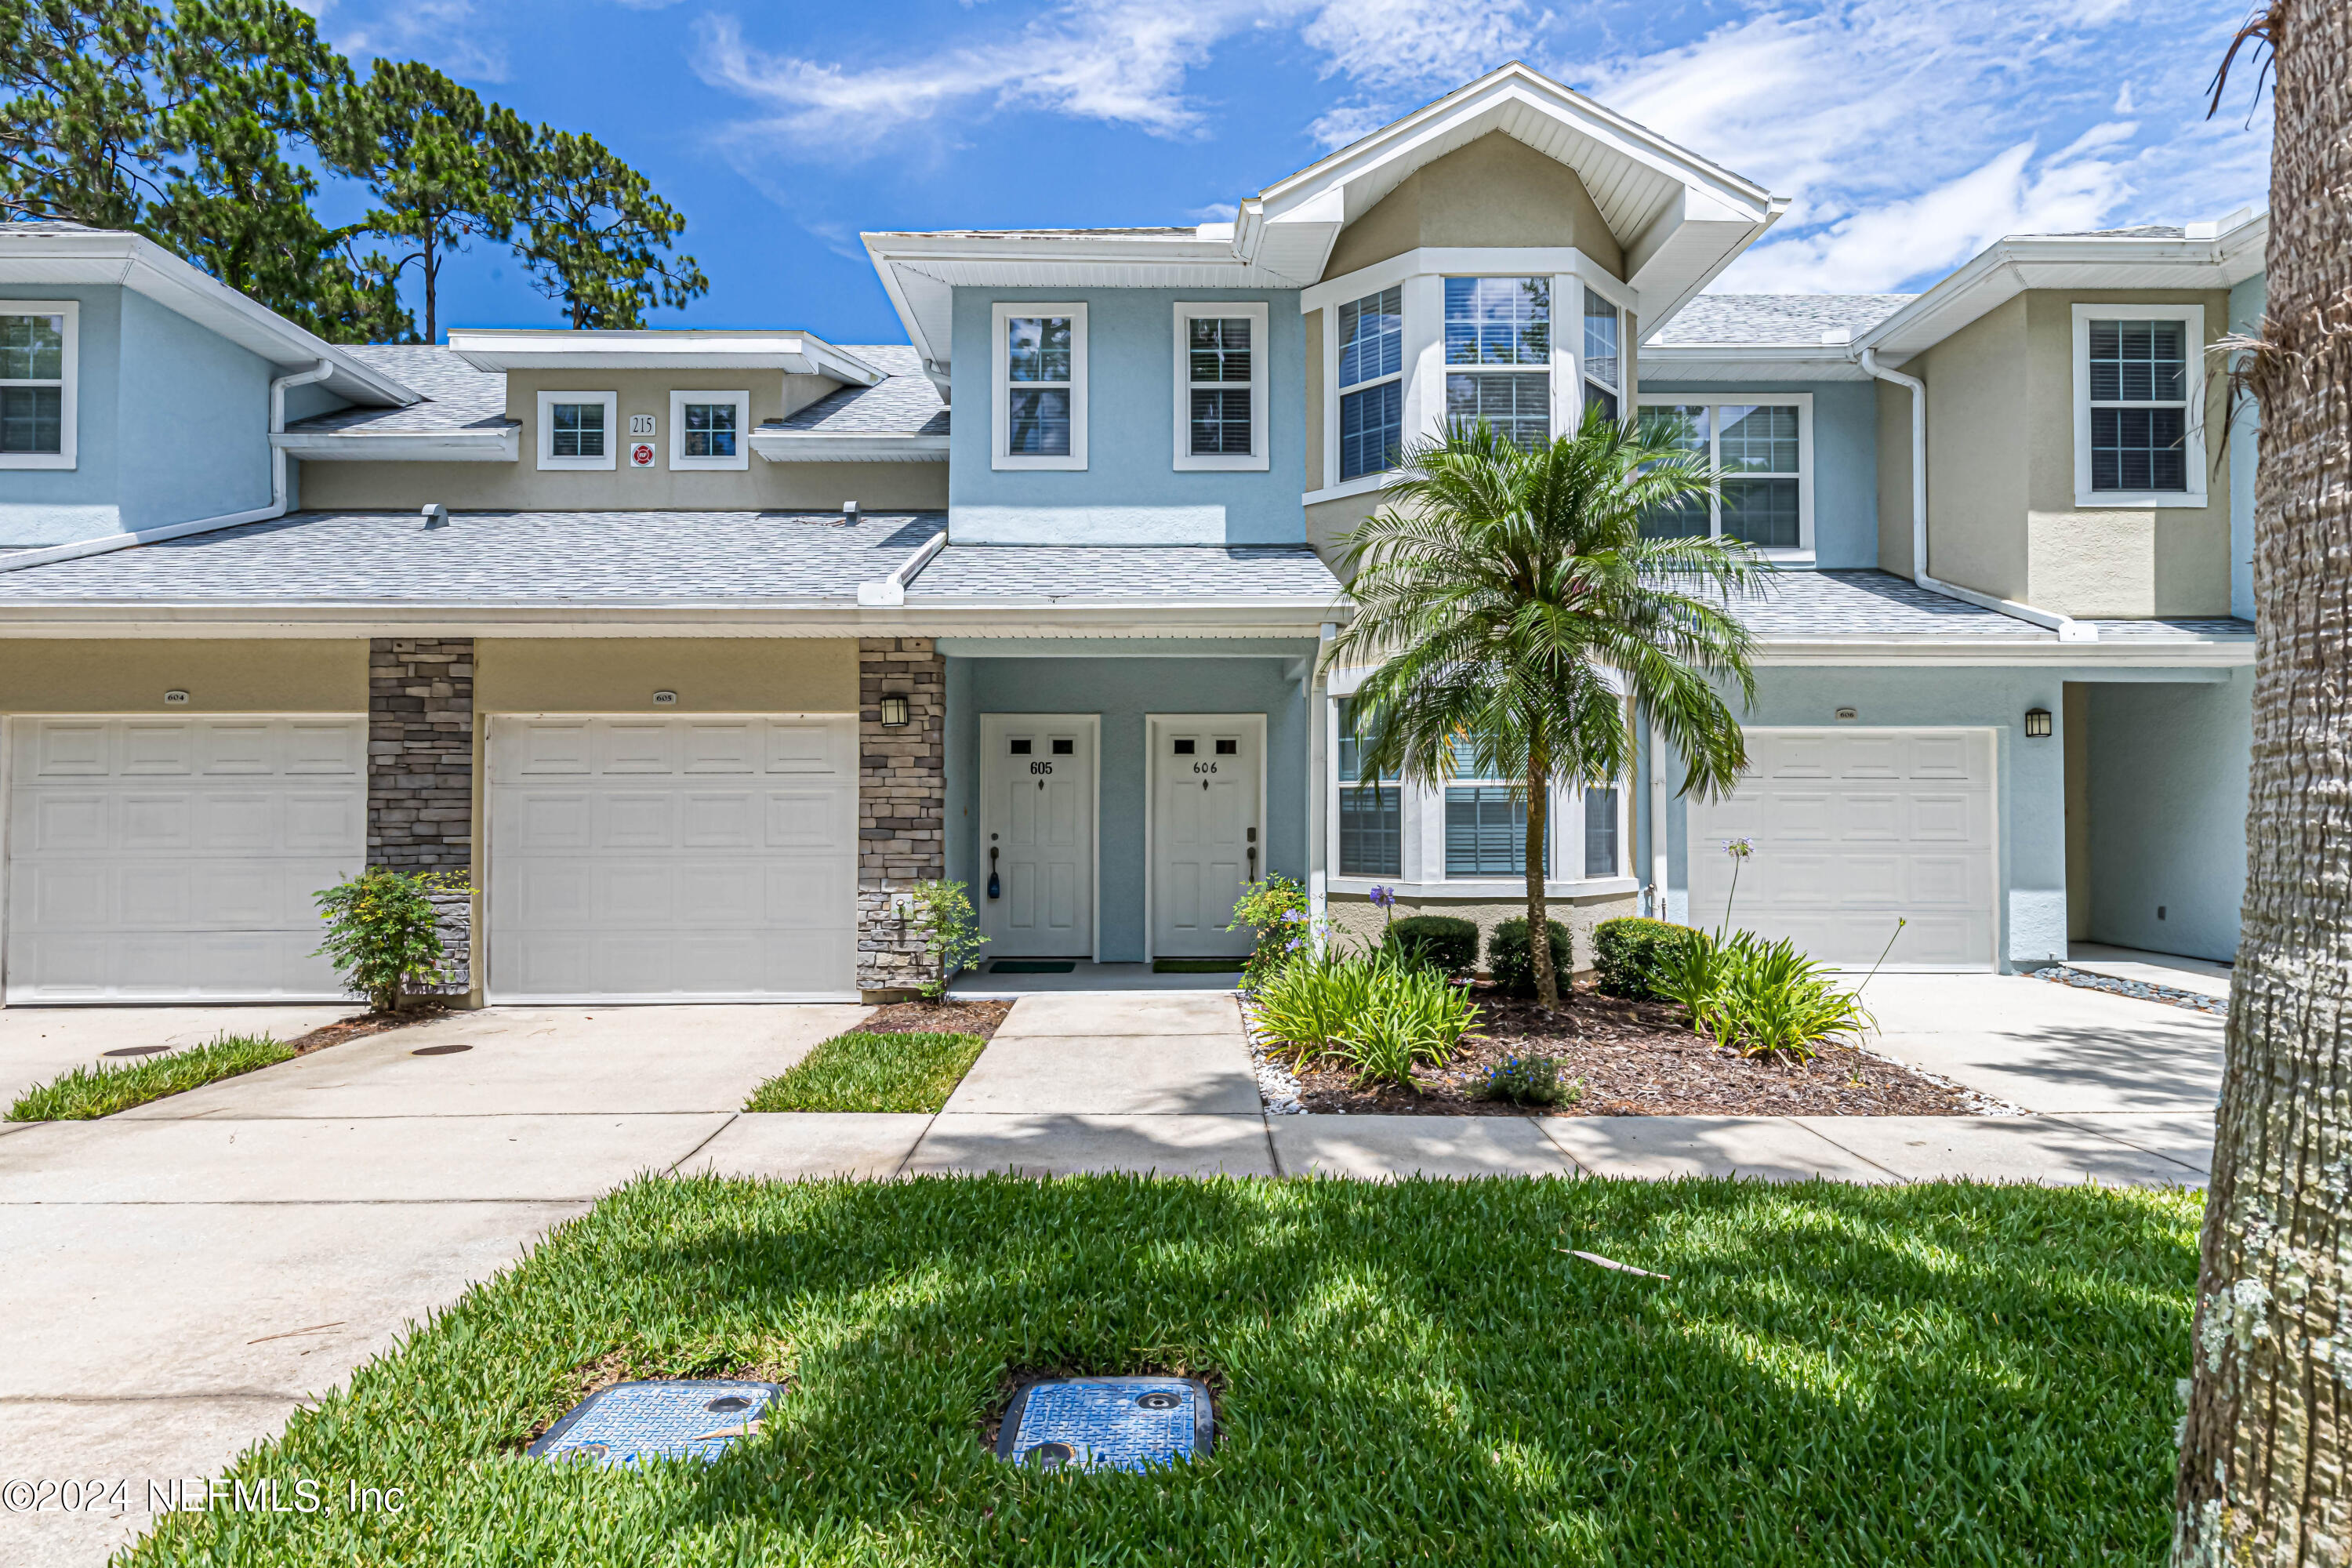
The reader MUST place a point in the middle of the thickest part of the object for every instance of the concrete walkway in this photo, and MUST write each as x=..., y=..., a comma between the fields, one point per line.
x=2200, y=976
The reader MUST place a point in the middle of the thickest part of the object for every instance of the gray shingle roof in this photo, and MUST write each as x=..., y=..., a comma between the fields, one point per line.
x=1807, y=605
x=1146, y=572
x=906, y=404
x=456, y=395
x=509, y=556
x=1775, y=317
x=2174, y=627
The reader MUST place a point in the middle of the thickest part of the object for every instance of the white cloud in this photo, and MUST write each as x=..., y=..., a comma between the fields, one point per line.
x=1386, y=45
x=449, y=35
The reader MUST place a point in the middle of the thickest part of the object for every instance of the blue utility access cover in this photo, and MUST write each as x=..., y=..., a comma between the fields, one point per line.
x=1108, y=1423
x=658, y=1419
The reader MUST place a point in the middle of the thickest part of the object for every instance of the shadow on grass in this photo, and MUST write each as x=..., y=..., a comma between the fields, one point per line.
x=1411, y=1372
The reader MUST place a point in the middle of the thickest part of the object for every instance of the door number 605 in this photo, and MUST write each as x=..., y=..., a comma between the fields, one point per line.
x=1041, y=767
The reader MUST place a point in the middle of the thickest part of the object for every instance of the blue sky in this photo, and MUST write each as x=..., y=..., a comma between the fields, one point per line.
x=1908, y=133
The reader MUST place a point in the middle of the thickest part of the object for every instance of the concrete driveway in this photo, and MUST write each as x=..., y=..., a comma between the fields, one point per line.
x=181, y=1278
x=38, y=1044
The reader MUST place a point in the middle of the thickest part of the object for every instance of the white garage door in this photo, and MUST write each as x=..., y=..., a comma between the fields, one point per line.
x=672, y=860
x=1855, y=829
x=174, y=859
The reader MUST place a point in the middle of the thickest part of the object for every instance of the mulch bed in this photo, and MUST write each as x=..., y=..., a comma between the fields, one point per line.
x=361, y=1025
x=957, y=1017
x=1637, y=1059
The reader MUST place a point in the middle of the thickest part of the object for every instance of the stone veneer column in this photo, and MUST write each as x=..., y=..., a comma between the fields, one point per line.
x=901, y=804
x=421, y=773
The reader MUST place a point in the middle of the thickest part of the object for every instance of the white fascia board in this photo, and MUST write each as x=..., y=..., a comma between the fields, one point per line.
x=1748, y=362
x=110, y=256
x=822, y=447
x=1514, y=83
x=1687, y=247
x=2008, y=267
x=503, y=446
x=795, y=353
x=830, y=616
x=2187, y=653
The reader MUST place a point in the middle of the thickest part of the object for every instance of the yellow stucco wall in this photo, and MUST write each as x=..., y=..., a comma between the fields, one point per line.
x=2110, y=561
x=1496, y=191
x=710, y=674
x=1314, y=475
x=1894, y=479
x=522, y=485
x=1977, y=449
x=2001, y=474
x=38, y=675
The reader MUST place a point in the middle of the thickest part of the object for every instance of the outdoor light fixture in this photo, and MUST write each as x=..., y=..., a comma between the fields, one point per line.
x=2037, y=723
x=894, y=711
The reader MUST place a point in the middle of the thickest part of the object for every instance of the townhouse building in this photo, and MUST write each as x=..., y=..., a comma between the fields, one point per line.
x=694, y=649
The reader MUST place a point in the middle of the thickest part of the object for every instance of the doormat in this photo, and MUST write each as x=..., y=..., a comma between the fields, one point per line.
x=1032, y=966
x=1199, y=965
x=631, y=1423
x=1108, y=1423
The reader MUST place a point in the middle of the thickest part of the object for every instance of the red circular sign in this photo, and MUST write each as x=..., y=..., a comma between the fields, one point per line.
x=642, y=455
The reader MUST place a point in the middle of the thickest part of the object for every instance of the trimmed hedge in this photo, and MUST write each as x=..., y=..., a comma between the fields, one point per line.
x=1629, y=953
x=1509, y=960
x=1444, y=941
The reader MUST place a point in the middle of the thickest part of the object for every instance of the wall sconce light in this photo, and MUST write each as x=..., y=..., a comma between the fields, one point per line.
x=894, y=711
x=2037, y=723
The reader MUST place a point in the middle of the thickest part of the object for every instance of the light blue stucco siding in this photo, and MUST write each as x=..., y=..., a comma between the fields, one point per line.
x=1130, y=492
x=172, y=425
x=2030, y=783
x=1122, y=691
x=2248, y=302
x=2167, y=797
x=1845, y=460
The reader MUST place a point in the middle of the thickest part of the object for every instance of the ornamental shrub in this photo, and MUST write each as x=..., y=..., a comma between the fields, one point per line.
x=1633, y=954
x=1445, y=943
x=1529, y=1081
x=1507, y=959
x=383, y=931
x=1275, y=913
x=949, y=934
x=1761, y=998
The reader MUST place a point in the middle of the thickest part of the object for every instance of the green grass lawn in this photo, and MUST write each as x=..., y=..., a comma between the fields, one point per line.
x=871, y=1072
x=101, y=1089
x=1411, y=1373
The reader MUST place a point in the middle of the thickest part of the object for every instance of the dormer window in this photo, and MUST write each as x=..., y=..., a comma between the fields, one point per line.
x=1040, y=402
x=2138, y=388
x=1220, y=387
x=575, y=429
x=37, y=353
x=1371, y=382
x=1498, y=356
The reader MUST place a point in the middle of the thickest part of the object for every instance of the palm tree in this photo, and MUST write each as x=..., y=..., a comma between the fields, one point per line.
x=1513, y=604
x=2264, y=1439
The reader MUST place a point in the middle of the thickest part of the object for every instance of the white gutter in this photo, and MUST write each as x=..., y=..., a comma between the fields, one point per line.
x=2067, y=628
x=279, y=484
x=892, y=590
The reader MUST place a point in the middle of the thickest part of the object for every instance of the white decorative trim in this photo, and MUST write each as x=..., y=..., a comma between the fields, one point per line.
x=1261, y=351
x=1727, y=398
x=500, y=445
x=1000, y=385
x=545, y=434
x=2193, y=419
x=847, y=447
x=677, y=457
x=69, y=384
x=1464, y=261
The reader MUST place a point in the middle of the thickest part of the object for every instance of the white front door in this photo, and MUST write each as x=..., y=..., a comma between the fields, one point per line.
x=1855, y=829
x=176, y=859
x=642, y=859
x=1036, y=895
x=1205, y=830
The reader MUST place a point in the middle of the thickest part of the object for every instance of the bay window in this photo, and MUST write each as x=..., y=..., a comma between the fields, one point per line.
x=1603, y=371
x=1498, y=356
x=1371, y=813
x=1371, y=382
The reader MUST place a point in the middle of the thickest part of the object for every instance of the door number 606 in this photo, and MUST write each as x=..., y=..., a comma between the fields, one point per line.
x=1205, y=767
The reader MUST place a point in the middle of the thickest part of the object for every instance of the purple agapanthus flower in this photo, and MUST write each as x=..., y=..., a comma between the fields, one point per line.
x=1383, y=897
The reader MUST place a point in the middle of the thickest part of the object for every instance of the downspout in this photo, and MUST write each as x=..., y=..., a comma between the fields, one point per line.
x=280, y=483
x=2067, y=628
x=1313, y=687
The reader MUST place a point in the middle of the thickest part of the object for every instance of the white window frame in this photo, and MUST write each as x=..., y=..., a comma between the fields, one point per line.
x=1402, y=376
x=1557, y=364
x=2193, y=421
x=1255, y=313
x=612, y=437
x=1574, y=356
x=1001, y=384
x=1802, y=402
x=69, y=384
x=742, y=457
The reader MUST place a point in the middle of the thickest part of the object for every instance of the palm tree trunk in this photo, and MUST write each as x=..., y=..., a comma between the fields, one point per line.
x=1539, y=916
x=2267, y=1441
